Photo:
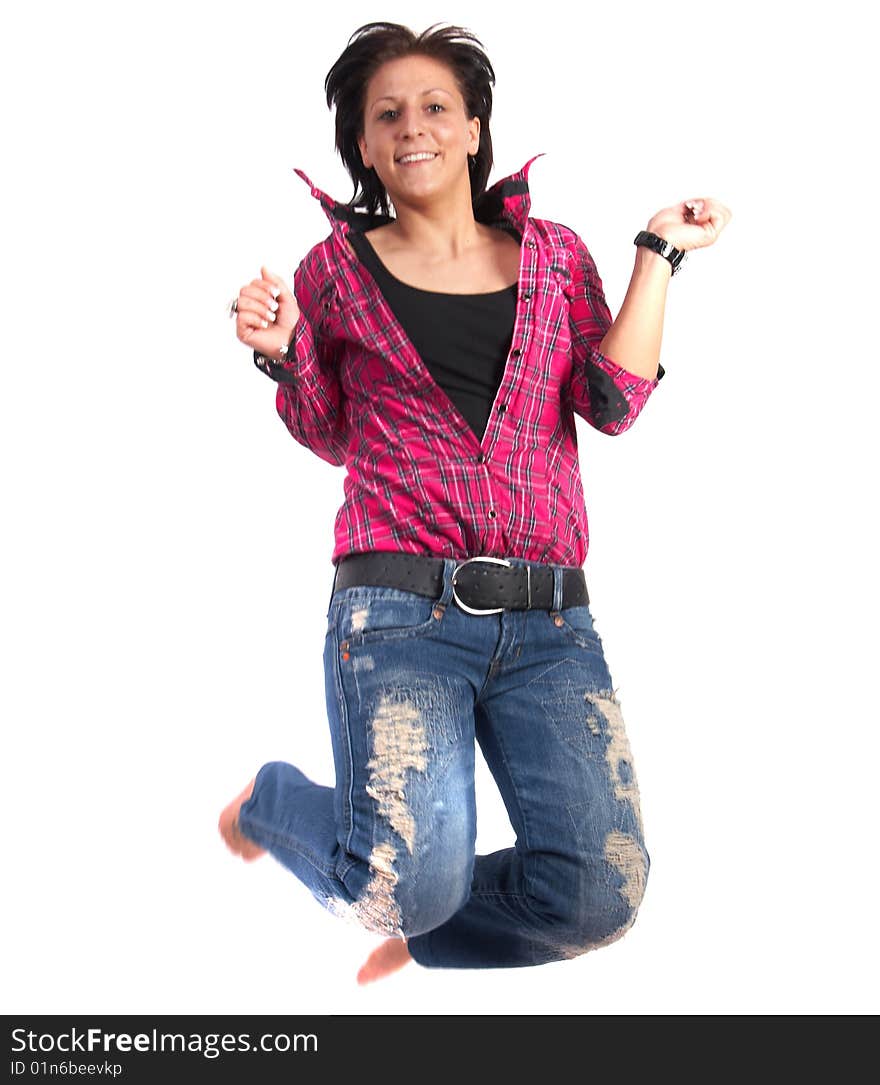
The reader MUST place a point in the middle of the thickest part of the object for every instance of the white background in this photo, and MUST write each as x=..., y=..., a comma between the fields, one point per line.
x=166, y=550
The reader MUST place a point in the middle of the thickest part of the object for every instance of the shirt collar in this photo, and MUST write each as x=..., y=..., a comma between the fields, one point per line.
x=507, y=201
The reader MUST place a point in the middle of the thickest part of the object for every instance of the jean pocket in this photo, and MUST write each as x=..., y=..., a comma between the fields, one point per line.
x=577, y=625
x=367, y=615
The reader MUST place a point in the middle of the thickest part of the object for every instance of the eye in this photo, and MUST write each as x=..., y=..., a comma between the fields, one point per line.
x=433, y=105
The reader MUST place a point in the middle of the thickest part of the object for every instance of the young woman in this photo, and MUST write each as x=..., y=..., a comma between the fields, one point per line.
x=440, y=355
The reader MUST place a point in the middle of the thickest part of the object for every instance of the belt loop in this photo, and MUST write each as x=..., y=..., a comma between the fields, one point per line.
x=333, y=587
x=558, y=576
x=449, y=565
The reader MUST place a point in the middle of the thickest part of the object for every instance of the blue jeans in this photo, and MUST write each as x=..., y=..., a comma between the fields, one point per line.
x=410, y=683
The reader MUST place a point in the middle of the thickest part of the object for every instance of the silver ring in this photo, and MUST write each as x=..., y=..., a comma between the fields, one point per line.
x=233, y=307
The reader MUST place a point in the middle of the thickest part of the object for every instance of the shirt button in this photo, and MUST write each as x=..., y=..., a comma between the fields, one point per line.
x=515, y=353
x=481, y=458
x=526, y=294
x=491, y=514
x=502, y=407
x=531, y=244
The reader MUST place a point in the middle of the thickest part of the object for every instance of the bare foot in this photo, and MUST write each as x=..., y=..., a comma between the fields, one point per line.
x=235, y=839
x=387, y=958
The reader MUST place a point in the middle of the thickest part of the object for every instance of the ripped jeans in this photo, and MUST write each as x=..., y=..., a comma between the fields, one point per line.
x=411, y=682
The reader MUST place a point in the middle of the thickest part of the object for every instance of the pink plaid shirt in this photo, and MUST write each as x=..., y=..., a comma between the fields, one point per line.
x=354, y=390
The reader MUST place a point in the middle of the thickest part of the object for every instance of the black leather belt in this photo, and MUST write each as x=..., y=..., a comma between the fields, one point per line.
x=481, y=585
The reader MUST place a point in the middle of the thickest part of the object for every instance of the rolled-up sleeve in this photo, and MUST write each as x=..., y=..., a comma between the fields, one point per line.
x=608, y=396
x=309, y=398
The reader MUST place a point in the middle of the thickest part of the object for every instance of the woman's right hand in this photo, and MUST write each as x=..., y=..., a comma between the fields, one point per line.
x=267, y=314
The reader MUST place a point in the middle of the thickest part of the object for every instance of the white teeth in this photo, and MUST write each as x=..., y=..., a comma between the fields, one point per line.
x=417, y=157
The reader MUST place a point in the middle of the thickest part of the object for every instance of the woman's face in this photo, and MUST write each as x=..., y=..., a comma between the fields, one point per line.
x=413, y=104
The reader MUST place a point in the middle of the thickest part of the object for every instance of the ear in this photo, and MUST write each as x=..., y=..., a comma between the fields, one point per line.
x=362, y=144
x=474, y=133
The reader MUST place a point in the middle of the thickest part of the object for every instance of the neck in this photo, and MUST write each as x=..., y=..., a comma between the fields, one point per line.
x=443, y=226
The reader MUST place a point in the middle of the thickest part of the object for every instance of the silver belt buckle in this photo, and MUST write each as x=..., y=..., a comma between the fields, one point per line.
x=464, y=606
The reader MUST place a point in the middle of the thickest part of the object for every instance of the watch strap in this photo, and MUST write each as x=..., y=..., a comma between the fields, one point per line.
x=655, y=243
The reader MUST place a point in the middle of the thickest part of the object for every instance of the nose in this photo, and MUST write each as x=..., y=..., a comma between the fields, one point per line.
x=411, y=124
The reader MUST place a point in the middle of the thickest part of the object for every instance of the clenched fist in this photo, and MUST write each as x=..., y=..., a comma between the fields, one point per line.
x=267, y=314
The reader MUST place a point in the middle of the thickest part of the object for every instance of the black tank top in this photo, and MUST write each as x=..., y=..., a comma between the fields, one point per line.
x=463, y=339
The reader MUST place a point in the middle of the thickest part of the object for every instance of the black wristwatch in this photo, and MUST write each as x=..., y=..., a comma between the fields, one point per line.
x=676, y=257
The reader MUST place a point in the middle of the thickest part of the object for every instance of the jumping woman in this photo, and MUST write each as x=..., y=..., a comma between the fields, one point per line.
x=440, y=355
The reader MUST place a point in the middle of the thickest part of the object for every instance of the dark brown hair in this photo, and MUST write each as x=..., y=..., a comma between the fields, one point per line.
x=368, y=49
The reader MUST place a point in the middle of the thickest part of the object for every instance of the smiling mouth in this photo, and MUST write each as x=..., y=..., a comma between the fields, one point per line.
x=416, y=161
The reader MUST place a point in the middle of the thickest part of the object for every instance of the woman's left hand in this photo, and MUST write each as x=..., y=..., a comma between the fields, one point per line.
x=692, y=224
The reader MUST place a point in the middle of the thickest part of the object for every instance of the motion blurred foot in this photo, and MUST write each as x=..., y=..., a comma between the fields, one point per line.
x=236, y=841
x=385, y=959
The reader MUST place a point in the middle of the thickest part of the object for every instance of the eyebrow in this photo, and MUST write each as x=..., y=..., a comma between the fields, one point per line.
x=391, y=98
